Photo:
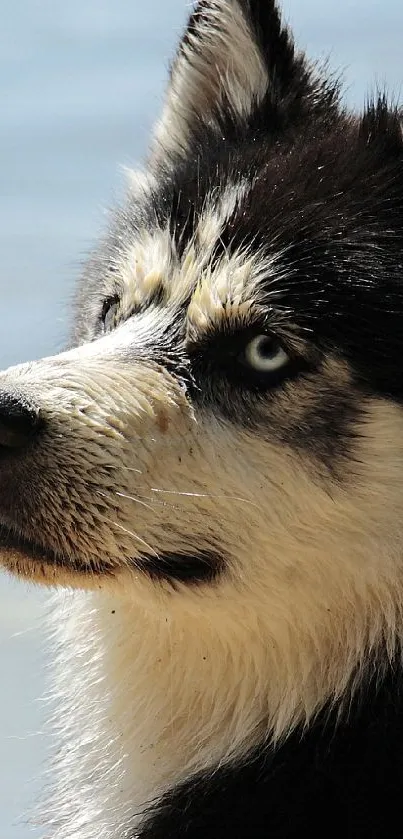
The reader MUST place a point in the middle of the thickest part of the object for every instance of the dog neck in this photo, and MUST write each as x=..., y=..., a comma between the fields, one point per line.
x=151, y=696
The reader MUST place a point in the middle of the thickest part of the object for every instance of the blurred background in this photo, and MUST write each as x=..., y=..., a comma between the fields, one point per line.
x=81, y=84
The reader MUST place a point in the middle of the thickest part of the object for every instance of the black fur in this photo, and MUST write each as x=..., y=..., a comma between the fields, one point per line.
x=331, y=204
x=337, y=779
x=328, y=207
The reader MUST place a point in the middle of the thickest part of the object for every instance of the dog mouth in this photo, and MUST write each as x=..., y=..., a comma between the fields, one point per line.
x=20, y=553
x=28, y=558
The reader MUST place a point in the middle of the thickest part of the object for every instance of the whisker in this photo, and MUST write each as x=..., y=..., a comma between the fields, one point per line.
x=122, y=466
x=177, y=492
x=134, y=498
x=134, y=535
x=130, y=497
x=206, y=495
x=138, y=500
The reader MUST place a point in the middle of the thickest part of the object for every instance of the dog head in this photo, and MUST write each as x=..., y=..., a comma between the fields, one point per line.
x=227, y=426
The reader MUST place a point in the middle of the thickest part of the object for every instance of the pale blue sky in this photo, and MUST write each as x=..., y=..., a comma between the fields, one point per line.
x=80, y=85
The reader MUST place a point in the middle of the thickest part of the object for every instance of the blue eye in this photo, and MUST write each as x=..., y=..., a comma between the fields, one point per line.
x=265, y=355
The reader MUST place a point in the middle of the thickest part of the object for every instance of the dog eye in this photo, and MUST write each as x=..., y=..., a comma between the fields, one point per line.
x=109, y=314
x=264, y=354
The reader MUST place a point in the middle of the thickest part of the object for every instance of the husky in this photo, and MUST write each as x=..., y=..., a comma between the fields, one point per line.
x=212, y=472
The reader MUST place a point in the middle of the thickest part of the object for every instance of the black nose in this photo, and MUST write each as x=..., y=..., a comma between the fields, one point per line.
x=19, y=420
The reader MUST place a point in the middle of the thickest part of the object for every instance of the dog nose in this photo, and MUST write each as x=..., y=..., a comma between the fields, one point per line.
x=19, y=420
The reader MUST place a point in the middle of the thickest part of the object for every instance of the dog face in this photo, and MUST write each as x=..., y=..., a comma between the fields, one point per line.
x=227, y=426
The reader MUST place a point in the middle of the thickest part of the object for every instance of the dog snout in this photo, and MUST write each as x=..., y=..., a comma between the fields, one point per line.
x=20, y=420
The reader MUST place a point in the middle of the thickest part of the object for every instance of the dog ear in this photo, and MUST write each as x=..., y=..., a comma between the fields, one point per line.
x=236, y=67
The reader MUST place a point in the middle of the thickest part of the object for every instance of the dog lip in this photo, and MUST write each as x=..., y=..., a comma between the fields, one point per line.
x=15, y=542
x=190, y=568
x=30, y=551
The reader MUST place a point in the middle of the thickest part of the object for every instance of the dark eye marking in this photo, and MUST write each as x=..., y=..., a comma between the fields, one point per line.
x=253, y=359
x=109, y=313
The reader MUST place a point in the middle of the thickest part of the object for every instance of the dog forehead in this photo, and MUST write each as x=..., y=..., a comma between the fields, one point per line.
x=213, y=231
x=200, y=276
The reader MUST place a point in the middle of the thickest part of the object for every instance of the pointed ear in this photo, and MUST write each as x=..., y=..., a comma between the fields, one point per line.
x=236, y=64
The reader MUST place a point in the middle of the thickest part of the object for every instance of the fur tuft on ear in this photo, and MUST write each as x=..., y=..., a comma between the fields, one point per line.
x=237, y=67
x=382, y=128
